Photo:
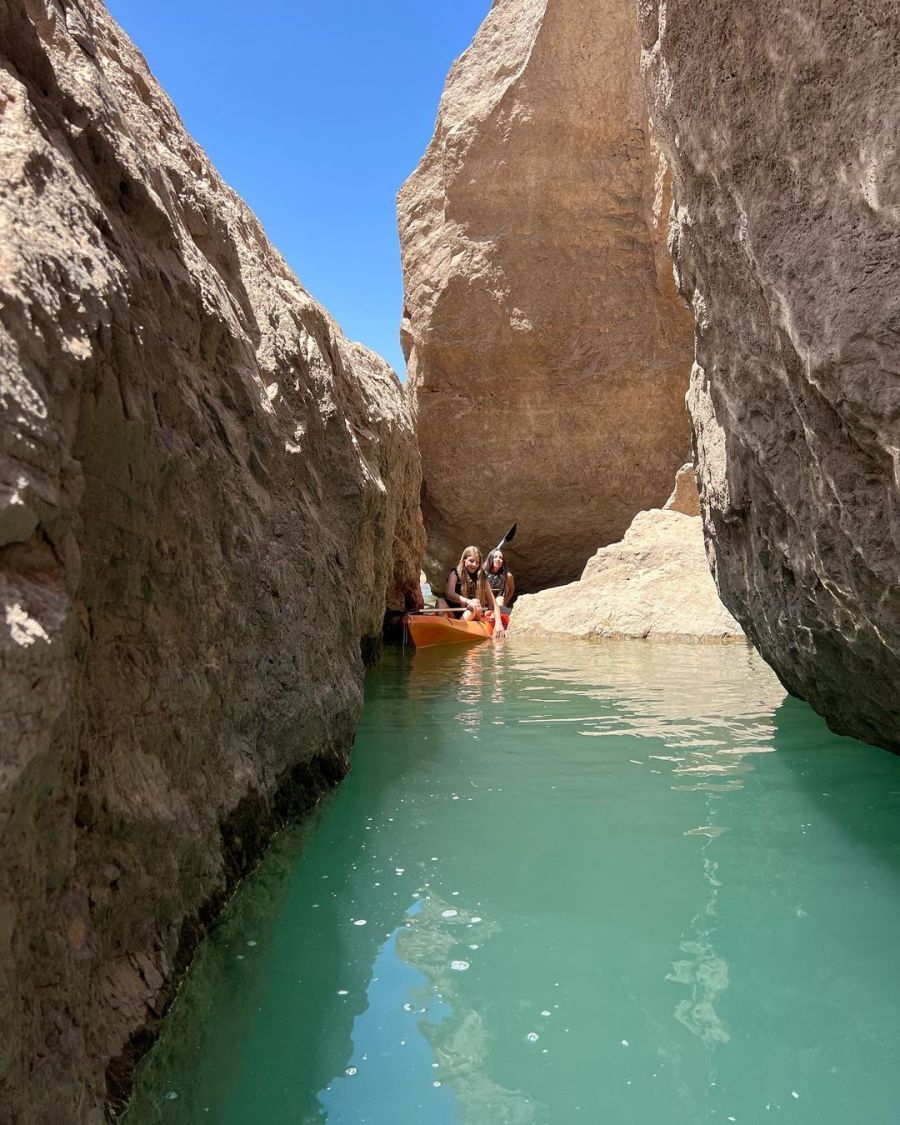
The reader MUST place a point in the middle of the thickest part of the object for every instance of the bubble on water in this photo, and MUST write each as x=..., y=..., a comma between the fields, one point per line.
x=794, y=1094
x=251, y=943
x=545, y=1012
x=625, y=1043
x=449, y=913
x=315, y=906
x=532, y=1037
x=360, y=922
x=434, y=859
x=171, y=1096
x=475, y=918
x=407, y=1007
x=454, y=894
x=240, y=957
x=343, y=992
x=434, y=1066
x=437, y=1082
x=476, y=946
x=350, y=1071
x=399, y=870
x=459, y=966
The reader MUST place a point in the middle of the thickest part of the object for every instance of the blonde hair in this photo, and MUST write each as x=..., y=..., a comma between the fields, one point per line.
x=472, y=586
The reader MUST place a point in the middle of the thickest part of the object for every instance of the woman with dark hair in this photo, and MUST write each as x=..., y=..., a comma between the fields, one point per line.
x=500, y=579
x=468, y=586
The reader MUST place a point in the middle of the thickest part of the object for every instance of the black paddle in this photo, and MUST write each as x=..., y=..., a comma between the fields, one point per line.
x=508, y=537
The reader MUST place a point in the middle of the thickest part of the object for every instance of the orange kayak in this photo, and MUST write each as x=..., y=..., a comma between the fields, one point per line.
x=428, y=629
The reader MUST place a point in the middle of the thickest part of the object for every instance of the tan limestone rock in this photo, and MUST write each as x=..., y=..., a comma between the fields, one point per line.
x=548, y=351
x=684, y=497
x=781, y=124
x=654, y=585
x=207, y=496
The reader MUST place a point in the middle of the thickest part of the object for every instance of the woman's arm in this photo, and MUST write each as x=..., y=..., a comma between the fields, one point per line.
x=495, y=609
x=510, y=589
x=450, y=591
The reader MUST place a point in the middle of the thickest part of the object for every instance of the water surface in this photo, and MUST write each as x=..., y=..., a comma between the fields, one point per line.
x=611, y=883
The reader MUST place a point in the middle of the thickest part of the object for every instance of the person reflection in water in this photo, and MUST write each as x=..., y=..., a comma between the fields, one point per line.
x=468, y=586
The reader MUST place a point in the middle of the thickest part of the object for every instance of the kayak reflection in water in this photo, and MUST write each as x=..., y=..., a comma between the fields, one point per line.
x=468, y=586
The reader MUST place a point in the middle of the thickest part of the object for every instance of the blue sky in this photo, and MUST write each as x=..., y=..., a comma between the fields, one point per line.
x=315, y=112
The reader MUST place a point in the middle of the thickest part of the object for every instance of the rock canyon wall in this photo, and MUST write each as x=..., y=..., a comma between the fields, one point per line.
x=207, y=496
x=548, y=350
x=781, y=124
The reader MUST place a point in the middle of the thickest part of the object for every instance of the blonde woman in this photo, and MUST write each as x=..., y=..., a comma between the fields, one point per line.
x=467, y=586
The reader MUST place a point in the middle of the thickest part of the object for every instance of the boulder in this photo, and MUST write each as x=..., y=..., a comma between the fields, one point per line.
x=780, y=122
x=207, y=497
x=654, y=585
x=548, y=351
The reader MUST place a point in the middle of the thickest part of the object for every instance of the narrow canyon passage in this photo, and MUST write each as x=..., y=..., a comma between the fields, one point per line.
x=621, y=883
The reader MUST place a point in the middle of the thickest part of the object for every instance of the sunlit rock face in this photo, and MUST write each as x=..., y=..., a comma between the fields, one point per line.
x=548, y=350
x=781, y=124
x=654, y=585
x=207, y=496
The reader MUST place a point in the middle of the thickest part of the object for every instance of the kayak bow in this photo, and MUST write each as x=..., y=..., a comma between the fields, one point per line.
x=427, y=630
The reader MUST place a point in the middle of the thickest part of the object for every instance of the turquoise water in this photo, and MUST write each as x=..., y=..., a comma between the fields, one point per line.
x=626, y=884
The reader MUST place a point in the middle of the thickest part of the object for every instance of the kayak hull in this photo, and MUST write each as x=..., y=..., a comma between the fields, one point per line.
x=428, y=629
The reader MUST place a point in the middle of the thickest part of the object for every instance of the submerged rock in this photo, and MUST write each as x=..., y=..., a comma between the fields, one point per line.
x=781, y=124
x=548, y=350
x=207, y=496
x=654, y=585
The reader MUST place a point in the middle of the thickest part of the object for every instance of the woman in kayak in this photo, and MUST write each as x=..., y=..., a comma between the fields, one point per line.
x=500, y=580
x=467, y=586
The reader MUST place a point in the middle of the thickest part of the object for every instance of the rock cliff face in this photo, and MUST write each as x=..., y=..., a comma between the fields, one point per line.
x=207, y=495
x=781, y=124
x=548, y=350
x=654, y=585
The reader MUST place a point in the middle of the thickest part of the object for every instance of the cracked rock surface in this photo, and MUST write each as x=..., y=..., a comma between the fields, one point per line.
x=780, y=122
x=207, y=497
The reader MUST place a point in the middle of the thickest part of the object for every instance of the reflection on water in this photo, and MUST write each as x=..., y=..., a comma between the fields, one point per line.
x=591, y=882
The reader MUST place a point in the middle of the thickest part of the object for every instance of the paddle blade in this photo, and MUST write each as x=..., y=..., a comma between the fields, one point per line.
x=508, y=537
